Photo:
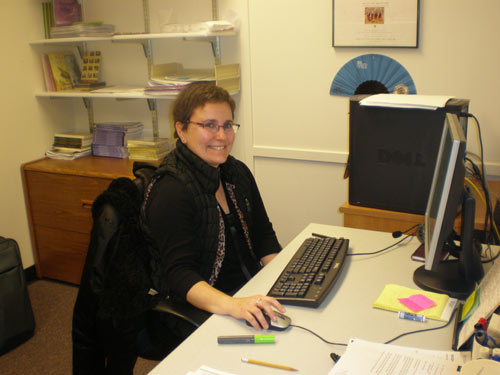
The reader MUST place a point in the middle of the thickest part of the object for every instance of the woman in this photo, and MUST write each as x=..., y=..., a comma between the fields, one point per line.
x=206, y=215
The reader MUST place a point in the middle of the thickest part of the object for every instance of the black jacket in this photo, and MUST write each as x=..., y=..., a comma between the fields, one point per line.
x=183, y=217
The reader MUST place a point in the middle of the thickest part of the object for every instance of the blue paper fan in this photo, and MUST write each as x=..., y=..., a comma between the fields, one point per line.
x=372, y=74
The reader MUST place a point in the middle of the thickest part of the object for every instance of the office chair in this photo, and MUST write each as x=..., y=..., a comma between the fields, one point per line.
x=112, y=299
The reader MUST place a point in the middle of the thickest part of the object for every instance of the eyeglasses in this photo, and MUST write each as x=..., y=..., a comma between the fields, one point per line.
x=213, y=127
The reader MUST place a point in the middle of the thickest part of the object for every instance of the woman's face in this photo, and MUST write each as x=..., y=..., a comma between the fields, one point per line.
x=211, y=146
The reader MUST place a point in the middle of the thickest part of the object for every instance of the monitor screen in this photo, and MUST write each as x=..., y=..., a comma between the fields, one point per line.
x=446, y=191
x=448, y=197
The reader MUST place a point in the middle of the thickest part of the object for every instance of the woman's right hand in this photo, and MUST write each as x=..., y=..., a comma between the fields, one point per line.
x=253, y=308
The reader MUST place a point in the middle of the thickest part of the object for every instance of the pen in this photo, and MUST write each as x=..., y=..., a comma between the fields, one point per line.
x=409, y=316
x=255, y=362
x=246, y=339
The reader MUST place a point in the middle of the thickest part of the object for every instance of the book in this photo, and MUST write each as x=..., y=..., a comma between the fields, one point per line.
x=148, y=148
x=147, y=157
x=82, y=30
x=65, y=70
x=72, y=140
x=110, y=151
x=89, y=86
x=110, y=138
x=47, y=73
x=419, y=254
x=66, y=12
x=149, y=142
x=48, y=18
x=115, y=137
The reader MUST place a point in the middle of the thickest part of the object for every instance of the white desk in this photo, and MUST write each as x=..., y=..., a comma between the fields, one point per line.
x=346, y=313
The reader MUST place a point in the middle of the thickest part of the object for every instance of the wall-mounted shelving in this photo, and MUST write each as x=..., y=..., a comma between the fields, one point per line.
x=145, y=39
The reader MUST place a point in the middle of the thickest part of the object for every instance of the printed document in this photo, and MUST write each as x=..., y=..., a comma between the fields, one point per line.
x=367, y=358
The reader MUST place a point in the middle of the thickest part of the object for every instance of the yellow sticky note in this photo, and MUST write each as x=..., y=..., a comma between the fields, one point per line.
x=389, y=300
x=470, y=305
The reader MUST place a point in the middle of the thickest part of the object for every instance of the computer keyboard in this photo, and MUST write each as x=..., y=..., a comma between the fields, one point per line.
x=312, y=272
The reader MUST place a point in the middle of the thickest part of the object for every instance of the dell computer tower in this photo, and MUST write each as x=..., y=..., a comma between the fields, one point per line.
x=392, y=154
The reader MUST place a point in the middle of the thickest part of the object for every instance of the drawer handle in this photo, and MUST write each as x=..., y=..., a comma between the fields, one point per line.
x=86, y=204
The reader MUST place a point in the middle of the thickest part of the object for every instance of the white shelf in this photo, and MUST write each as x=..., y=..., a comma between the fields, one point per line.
x=113, y=92
x=130, y=37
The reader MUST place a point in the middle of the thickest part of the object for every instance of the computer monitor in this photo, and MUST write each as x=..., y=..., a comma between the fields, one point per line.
x=448, y=197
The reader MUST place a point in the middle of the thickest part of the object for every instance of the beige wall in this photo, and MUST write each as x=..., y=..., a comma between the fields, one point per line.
x=293, y=131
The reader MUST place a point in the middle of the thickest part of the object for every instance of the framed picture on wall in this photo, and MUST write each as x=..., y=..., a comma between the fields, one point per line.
x=371, y=23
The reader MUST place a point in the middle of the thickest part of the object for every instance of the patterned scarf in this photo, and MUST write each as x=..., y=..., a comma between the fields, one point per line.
x=221, y=248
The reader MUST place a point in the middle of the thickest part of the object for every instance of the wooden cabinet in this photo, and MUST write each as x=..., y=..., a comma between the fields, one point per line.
x=59, y=196
x=390, y=221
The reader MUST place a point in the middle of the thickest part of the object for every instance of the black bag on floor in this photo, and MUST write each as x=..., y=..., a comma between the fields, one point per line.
x=17, y=323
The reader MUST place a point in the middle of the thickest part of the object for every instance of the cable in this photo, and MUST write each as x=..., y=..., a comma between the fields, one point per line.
x=384, y=249
x=482, y=173
x=422, y=330
x=398, y=233
x=478, y=192
x=318, y=336
x=387, y=342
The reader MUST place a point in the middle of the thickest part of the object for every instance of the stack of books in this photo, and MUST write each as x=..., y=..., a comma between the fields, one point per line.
x=174, y=84
x=152, y=149
x=83, y=29
x=69, y=146
x=110, y=138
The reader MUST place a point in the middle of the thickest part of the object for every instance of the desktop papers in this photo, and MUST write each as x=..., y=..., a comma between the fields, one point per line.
x=489, y=300
x=205, y=370
x=430, y=102
x=389, y=300
x=367, y=358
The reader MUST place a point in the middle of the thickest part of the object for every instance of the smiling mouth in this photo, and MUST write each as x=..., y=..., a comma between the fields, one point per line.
x=217, y=147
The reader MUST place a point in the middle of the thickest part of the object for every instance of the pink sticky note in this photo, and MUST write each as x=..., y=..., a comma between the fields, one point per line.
x=417, y=302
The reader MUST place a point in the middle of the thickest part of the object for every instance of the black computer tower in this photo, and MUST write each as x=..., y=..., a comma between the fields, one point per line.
x=392, y=154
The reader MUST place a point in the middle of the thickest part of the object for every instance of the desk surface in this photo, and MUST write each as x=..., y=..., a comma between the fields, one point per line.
x=346, y=313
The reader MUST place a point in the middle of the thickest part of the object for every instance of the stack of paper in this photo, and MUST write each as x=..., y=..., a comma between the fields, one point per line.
x=69, y=146
x=390, y=298
x=175, y=83
x=364, y=357
x=148, y=148
x=205, y=370
x=90, y=29
x=110, y=138
x=430, y=102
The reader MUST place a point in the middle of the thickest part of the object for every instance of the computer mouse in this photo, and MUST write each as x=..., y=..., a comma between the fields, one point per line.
x=282, y=322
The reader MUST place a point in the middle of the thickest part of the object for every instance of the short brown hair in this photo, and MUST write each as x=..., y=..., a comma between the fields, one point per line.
x=197, y=95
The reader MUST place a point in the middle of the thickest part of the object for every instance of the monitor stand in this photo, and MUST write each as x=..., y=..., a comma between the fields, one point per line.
x=458, y=277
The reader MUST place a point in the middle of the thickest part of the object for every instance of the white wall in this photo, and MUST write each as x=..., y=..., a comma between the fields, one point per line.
x=294, y=134
x=300, y=131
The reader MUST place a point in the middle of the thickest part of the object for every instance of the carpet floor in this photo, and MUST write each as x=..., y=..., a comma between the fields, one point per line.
x=48, y=352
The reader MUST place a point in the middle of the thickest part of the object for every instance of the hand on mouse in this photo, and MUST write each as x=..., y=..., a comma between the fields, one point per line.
x=253, y=308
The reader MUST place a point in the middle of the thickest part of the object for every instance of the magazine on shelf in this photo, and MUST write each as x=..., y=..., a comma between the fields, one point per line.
x=64, y=70
x=66, y=12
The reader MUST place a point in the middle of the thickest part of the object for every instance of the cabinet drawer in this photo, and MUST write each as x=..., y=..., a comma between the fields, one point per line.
x=63, y=201
x=61, y=254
